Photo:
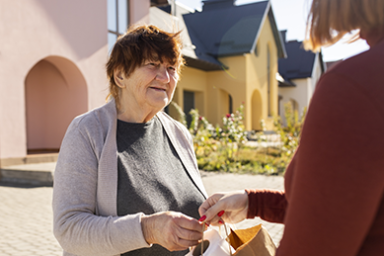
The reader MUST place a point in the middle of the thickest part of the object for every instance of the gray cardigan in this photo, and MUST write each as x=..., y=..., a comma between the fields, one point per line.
x=85, y=218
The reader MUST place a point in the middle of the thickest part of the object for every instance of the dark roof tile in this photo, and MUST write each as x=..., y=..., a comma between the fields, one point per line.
x=298, y=64
x=226, y=31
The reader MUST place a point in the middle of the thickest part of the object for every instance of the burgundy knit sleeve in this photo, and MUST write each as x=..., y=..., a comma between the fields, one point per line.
x=270, y=205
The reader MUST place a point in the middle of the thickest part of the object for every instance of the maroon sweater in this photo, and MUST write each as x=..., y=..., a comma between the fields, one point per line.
x=333, y=203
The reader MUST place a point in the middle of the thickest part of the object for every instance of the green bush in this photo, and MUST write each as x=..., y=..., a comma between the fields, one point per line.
x=290, y=133
x=225, y=148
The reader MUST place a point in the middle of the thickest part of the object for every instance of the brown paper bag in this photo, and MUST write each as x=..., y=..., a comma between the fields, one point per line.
x=254, y=241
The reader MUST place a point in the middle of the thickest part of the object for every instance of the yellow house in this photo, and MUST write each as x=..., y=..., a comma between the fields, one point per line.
x=231, y=55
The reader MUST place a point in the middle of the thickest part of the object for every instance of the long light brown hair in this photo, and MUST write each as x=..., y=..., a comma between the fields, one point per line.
x=329, y=20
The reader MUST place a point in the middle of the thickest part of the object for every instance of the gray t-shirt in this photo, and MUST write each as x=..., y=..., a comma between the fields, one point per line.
x=151, y=177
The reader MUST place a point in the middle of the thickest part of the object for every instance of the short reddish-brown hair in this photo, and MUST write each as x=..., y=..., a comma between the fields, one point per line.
x=136, y=46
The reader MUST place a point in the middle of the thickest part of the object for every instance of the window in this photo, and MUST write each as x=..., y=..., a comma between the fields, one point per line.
x=256, y=49
x=269, y=81
x=118, y=20
x=279, y=104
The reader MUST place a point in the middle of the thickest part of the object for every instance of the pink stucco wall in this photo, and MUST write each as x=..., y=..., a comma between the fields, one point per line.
x=51, y=52
x=64, y=35
x=139, y=11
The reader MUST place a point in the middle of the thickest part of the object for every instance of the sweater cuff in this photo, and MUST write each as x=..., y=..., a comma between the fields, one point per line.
x=252, y=203
x=268, y=204
x=130, y=236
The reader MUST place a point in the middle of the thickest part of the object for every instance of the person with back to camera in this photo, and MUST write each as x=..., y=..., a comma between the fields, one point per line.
x=333, y=203
x=126, y=181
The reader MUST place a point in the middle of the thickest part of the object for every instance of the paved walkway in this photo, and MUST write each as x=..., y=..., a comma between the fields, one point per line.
x=26, y=213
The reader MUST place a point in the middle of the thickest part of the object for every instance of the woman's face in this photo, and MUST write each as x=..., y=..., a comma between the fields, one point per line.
x=150, y=86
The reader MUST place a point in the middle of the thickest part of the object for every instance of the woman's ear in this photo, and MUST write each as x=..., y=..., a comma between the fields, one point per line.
x=119, y=78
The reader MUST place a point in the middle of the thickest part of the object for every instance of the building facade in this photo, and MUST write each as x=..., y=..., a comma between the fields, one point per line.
x=298, y=76
x=231, y=57
x=52, y=67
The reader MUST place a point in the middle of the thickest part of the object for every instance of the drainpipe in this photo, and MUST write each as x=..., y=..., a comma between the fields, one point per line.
x=173, y=8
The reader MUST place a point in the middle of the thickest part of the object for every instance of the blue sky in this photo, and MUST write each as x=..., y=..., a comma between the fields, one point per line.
x=291, y=15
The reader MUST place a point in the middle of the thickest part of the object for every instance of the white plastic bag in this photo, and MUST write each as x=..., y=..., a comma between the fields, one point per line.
x=216, y=245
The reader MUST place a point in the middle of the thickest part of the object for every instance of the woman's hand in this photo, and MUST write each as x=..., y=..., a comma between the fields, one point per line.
x=232, y=207
x=172, y=230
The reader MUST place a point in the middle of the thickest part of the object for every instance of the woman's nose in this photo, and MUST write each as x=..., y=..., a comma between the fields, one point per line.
x=163, y=75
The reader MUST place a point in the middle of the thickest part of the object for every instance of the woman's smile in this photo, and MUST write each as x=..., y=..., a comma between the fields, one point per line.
x=158, y=89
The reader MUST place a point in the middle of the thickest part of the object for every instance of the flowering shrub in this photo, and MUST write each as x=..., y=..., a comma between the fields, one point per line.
x=203, y=135
x=233, y=134
x=289, y=134
x=225, y=148
x=216, y=148
x=233, y=128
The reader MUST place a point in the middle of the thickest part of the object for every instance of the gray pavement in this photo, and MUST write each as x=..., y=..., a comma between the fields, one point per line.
x=26, y=221
x=26, y=213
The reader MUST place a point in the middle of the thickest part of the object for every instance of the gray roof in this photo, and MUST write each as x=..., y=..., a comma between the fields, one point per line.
x=299, y=63
x=223, y=29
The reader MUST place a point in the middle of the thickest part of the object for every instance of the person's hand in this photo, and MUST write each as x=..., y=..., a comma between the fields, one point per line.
x=172, y=230
x=232, y=207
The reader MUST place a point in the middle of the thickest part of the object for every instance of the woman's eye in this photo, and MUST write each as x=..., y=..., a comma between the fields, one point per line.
x=172, y=68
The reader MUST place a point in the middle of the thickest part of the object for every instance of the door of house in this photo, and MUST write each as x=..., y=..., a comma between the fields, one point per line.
x=189, y=103
x=55, y=93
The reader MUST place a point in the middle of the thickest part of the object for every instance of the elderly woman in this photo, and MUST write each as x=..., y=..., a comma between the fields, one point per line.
x=333, y=203
x=126, y=181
